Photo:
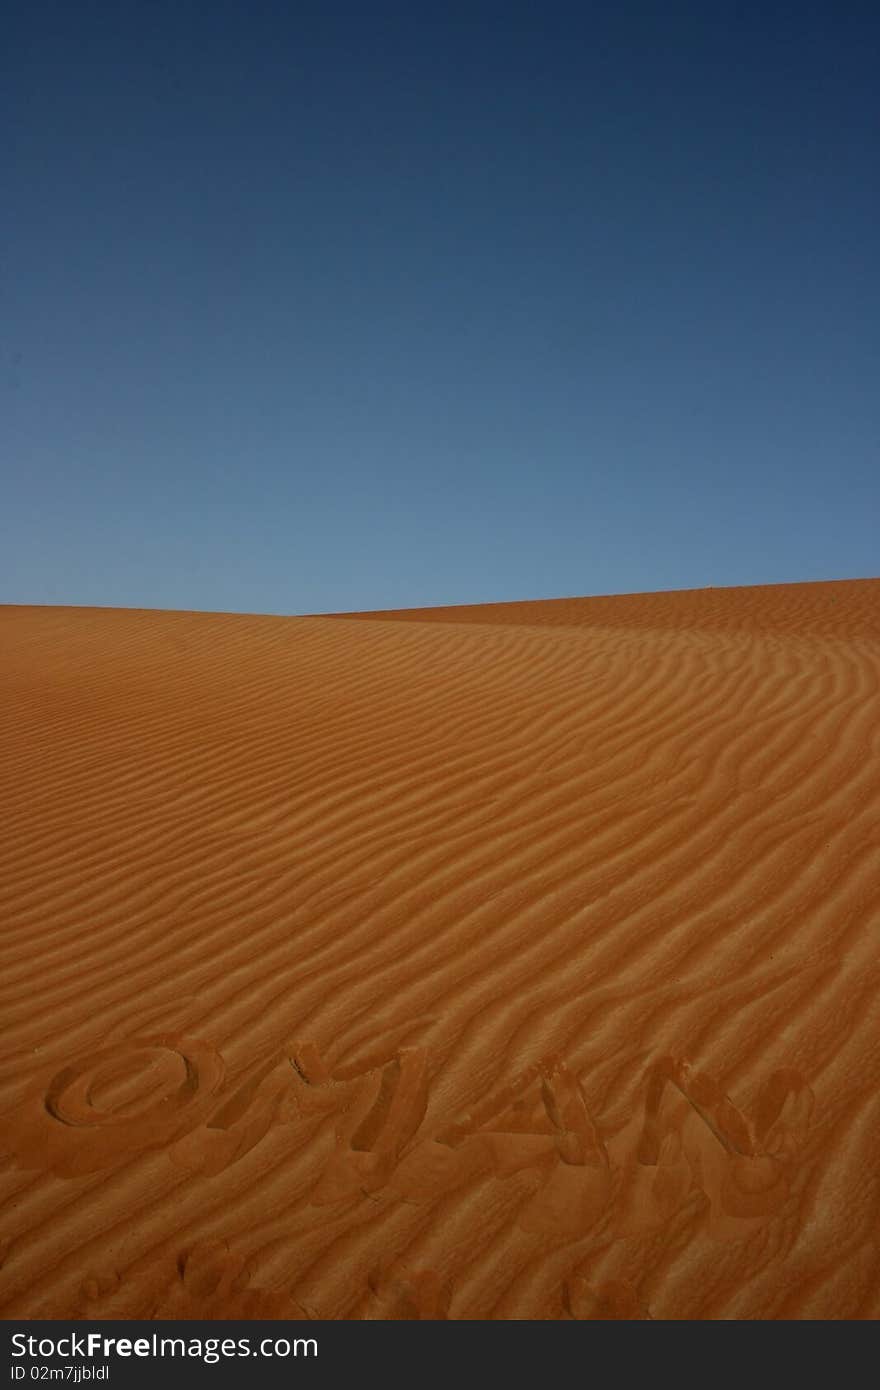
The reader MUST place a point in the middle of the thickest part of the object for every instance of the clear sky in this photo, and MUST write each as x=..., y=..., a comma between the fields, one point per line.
x=327, y=306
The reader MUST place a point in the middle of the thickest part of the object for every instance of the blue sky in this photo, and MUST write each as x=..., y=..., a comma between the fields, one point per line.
x=313, y=307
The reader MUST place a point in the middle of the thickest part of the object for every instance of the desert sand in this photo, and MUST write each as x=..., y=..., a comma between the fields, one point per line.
x=506, y=961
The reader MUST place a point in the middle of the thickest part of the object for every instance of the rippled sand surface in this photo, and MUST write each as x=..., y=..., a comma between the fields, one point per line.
x=508, y=961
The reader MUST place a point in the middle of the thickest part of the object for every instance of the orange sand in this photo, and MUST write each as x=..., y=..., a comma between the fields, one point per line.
x=512, y=961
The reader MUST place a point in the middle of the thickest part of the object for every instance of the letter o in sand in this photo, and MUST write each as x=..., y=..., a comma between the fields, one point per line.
x=113, y=1104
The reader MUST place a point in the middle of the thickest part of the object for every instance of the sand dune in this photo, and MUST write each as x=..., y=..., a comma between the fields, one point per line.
x=508, y=961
